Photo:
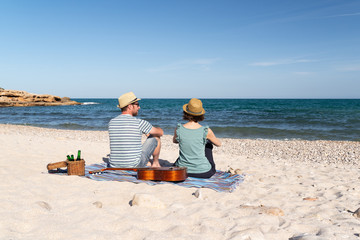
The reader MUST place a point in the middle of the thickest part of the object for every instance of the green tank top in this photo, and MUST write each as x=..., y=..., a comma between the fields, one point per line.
x=192, y=149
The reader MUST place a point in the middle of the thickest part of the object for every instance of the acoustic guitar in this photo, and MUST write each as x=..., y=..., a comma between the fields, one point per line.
x=169, y=174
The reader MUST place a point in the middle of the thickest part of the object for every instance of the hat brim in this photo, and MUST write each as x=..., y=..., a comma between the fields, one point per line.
x=185, y=108
x=135, y=100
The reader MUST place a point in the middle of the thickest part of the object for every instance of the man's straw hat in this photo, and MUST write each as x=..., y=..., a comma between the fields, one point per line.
x=126, y=99
x=194, y=107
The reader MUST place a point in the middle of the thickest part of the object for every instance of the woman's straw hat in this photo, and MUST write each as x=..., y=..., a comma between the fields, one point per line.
x=126, y=99
x=194, y=107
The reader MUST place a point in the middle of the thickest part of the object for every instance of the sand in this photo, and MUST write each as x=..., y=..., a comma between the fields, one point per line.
x=292, y=190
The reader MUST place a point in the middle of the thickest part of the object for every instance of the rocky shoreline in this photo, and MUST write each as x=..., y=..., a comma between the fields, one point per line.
x=15, y=98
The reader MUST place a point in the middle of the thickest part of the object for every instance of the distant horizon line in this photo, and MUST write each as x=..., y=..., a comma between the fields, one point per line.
x=259, y=98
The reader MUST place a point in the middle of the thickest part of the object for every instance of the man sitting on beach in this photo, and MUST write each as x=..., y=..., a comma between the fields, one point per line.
x=125, y=131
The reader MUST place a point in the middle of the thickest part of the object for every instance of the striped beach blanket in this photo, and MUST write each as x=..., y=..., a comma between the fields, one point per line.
x=220, y=181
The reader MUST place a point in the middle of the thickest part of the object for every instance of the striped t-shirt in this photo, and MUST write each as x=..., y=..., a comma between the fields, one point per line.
x=125, y=132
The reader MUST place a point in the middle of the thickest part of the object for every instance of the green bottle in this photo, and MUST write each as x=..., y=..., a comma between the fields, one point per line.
x=78, y=156
x=72, y=157
x=68, y=157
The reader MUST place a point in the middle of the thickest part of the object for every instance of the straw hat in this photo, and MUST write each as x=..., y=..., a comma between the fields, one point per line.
x=194, y=107
x=126, y=99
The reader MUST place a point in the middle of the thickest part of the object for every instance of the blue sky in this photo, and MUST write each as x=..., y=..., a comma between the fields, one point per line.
x=181, y=49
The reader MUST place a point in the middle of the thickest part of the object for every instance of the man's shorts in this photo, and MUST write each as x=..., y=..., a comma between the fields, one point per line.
x=147, y=150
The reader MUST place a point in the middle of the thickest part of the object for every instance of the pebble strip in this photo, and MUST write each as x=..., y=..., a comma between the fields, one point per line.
x=319, y=151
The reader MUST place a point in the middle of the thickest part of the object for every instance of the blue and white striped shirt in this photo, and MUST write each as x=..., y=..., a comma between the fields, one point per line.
x=125, y=132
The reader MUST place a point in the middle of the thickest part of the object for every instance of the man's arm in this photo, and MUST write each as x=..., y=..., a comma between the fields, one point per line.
x=156, y=132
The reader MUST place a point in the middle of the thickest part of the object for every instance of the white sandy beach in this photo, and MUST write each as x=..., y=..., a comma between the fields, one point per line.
x=292, y=189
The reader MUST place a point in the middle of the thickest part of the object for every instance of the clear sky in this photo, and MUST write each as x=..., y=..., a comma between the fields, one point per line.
x=181, y=48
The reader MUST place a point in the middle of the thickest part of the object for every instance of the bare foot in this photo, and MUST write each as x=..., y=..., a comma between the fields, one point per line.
x=156, y=164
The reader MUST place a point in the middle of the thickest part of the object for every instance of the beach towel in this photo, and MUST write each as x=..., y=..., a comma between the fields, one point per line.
x=220, y=181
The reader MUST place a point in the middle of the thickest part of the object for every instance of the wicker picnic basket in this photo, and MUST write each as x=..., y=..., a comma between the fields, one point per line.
x=76, y=167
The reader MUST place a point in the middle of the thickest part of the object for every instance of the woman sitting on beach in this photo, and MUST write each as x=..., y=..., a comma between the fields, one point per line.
x=195, y=142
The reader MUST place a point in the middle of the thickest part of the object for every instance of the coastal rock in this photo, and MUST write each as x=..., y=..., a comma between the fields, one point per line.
x=198, y=194
x=14, y=98
x=310, y=199
x=357, y=213
x=234, y=171
x=307, y=237
x=98, y=204
x=44, y=205
x=248, y=234
x=146, y=200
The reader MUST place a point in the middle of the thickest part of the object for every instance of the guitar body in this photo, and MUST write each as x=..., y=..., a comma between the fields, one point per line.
x=169, y=174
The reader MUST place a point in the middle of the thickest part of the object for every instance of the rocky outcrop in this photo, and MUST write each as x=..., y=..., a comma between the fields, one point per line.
x=14, y=98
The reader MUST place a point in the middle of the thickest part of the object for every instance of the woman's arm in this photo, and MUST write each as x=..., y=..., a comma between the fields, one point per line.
x=175, y=136
x=211, y=136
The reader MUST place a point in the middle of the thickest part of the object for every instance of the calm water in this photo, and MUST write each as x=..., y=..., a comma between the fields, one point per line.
x=327, y=119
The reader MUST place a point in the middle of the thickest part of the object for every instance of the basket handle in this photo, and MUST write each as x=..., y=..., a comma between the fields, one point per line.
x=51, y=166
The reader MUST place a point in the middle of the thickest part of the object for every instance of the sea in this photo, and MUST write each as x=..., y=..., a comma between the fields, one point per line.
x=283, y=119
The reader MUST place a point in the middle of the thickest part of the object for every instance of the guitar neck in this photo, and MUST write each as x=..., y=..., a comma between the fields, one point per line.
x=126, y=169
x=143, y=168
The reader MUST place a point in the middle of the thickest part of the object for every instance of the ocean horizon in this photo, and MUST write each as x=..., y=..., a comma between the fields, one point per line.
x=278, y=118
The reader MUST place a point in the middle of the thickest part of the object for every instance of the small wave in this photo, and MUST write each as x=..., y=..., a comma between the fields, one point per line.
x=89, y=103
